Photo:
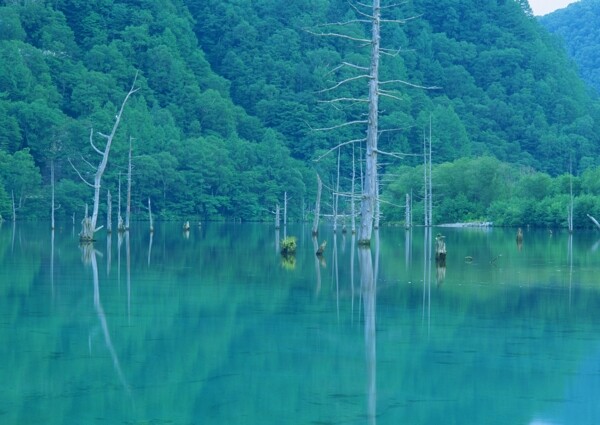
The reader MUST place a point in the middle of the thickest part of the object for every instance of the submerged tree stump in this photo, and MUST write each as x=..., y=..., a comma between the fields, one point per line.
x=87, y=230
x=288, y=246
x=440, y=250
x=321, y=249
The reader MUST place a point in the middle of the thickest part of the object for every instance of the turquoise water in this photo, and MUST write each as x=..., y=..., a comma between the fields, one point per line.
x=214, y=327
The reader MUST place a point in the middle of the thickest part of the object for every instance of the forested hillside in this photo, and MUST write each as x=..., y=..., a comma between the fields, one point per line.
x=578, y=25
x=66, y=67
x=233, y=94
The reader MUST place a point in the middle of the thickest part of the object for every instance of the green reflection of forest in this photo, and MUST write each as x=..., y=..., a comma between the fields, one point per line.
x=211, y=326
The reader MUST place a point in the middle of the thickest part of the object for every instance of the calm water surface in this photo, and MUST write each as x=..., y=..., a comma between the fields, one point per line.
x=214, y=327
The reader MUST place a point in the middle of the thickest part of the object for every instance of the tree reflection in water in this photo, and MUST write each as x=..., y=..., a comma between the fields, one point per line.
x=369, y=291
x=89, y=254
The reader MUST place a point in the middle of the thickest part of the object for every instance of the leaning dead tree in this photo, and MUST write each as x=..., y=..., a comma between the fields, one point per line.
x=88, y=224
x=370, y=15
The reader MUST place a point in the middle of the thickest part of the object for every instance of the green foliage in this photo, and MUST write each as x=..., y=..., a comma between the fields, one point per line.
x=229, y=92
x=485, y=189
x=576, y=25
x=288, y=245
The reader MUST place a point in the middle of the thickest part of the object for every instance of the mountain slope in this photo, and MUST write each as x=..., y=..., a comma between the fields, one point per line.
x=578, y=26
x=66, y=67
x=507, y=88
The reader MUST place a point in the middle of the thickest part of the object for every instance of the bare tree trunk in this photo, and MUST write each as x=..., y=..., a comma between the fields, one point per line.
x=128, y=211
x=377, y=205
x=150, y=216
x=369, y=188
x=14, y=208
x=407, y=212
x=277, y=220
x=570, y=207
x=594, y=220
x=430, y=197
x=108, y=212
x=315, y=227
x=285, y=201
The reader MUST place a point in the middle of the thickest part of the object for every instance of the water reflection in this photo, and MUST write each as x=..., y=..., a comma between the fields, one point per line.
x=208, y=334
x=368, y=292
x=89, y=258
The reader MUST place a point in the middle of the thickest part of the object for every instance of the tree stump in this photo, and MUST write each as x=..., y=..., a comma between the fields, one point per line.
x=440, y=250
x=321, y=249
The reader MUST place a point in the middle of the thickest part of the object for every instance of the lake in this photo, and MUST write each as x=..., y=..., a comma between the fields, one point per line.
x=215, y=327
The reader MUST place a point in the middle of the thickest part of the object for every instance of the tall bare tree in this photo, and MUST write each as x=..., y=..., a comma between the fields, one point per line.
x=88, y=224
x=367, y=14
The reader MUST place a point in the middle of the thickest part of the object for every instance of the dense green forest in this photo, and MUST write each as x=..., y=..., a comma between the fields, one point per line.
x=233, y=95
x=578, y=26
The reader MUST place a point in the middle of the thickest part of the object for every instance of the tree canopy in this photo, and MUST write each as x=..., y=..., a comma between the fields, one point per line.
x=231, y=93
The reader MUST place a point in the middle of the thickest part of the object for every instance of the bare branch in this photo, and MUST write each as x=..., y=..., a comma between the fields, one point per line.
x=384, y=94
x=334, y=34
x=389, y=130
x=344, y=99
x=406, y=83
x=338, y=126
x=79, y=174
x=87, y=162
x=92, y=142
x=393, y=154
x=353, y=21
x=360, y=12
x=339, y=146
x=347, y=80
x=389, y=52
x=363, y=68
x=389, y=6
x=402, y=21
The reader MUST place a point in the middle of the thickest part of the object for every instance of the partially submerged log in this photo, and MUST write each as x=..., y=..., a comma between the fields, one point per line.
x=186, y=226
x=594, y=220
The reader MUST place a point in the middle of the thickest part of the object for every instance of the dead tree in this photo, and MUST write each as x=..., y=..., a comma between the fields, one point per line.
x=108, y=212
x=14, y=208
x=570, y=207
x=89, y=226
x=150, y=216
x=407, y=214
x=285, y=202
x=375, y=90
x=315, y=227
x=120, y=222
x=53, y=206
x=128, y=210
